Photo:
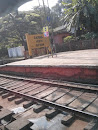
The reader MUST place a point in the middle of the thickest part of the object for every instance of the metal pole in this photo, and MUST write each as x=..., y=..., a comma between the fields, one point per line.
x=51, y=23
x=48, y=6
x=44, y=11
x=40, y=14
x=47, y=3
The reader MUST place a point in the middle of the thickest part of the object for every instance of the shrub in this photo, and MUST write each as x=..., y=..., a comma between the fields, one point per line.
x=88, y=35
x=68, y=39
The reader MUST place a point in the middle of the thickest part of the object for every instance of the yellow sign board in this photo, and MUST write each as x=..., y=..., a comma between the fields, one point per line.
x=45, y=29
x=36, y=41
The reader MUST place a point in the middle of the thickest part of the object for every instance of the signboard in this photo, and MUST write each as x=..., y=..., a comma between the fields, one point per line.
x=36, y=41
x=45, y=29
x=46, y=34
x=48, y=18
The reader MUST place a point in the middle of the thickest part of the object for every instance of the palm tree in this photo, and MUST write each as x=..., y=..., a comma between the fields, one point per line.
x=82, y=14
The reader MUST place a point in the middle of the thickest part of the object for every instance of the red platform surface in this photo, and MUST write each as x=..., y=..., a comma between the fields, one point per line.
x=78, y=66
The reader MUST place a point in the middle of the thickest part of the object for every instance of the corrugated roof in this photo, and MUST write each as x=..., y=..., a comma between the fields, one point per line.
x=59, y=28
x=63, y=28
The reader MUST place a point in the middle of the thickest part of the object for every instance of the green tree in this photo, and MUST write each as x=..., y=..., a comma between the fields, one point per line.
x=14, y=26
x=82, y=14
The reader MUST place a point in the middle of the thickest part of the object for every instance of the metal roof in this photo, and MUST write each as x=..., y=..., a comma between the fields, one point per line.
x=63, y=28
x=60, y=28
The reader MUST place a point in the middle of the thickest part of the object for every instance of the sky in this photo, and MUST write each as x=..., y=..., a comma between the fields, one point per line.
x=29, y=5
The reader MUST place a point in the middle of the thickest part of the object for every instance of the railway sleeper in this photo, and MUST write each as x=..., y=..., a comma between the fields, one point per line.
x=1, y=107
x=6, y=115
x=6, y=95
x=19, y=101
x=3, y=92
x=11, y=98
x=93, y=125
x=19, y=124
x=27, y=105
x=68, y=120
x=39, y=108
x=52, y=114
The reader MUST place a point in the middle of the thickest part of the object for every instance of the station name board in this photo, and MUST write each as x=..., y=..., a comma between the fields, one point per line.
x=36, y=41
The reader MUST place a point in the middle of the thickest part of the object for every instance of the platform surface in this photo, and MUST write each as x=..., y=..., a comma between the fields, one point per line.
x=71, y=58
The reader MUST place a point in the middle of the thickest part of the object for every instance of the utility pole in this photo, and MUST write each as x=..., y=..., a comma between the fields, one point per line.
x=50, y=18
x=40, y=13
x=44, y=11
x=51, y=39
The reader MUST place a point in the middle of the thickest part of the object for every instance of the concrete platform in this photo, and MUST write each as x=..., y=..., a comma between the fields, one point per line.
x=86, y=58
x=78, y=66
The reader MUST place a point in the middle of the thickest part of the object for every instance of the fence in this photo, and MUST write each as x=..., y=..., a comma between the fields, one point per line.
x=77, y=45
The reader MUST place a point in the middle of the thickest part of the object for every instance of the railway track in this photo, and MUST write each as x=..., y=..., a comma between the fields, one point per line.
x=79, y=101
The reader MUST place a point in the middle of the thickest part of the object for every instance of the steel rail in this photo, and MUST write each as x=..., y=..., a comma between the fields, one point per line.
x=36, y=80
x=62, y=85
x=77, y=112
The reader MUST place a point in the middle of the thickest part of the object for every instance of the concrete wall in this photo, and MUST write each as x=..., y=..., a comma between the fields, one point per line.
x=58, y=38
x=76, y=74
x=16, y=51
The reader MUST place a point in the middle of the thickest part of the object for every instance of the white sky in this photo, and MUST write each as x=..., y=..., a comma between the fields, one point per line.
x=27, y=6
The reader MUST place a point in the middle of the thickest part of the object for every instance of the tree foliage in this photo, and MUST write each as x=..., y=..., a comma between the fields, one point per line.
x=82, y=14
x=48, y=16
x=14, y=26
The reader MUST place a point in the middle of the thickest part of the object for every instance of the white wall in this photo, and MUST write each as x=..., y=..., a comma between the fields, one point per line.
x=16, y=51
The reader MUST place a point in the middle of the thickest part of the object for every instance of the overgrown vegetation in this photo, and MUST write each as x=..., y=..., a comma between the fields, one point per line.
x=82, y=15
x=88, y=36
x=14, y=26
x=68, y=39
